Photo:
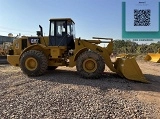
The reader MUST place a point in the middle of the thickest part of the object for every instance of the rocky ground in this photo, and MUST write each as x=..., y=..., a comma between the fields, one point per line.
x=63, y=94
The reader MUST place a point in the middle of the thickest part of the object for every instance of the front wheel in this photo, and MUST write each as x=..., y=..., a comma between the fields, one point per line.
x=90, y=65
x=33, y=63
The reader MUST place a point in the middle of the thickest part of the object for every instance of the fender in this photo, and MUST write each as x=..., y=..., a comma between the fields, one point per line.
x=39, y=47
x=79, y=52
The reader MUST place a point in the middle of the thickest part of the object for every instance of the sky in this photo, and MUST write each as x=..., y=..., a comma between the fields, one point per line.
x=93, y=18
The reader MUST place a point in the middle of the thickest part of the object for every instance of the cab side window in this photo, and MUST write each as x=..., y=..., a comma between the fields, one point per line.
x=52, y=28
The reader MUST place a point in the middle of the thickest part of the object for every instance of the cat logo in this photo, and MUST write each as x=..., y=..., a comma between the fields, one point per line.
x=33, y=40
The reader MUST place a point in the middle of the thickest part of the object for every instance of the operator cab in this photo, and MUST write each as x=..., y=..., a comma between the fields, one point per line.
x=62, y=32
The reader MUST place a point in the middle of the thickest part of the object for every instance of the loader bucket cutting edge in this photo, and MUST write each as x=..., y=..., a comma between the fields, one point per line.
x=154, y=57
x=128, y=68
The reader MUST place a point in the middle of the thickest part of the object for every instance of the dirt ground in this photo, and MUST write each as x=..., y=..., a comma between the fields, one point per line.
x=149, y=93
x=15, y=86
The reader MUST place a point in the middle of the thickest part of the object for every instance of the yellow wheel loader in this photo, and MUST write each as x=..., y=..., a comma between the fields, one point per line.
x=154, y=57
x=4, y=48
x=35, y=55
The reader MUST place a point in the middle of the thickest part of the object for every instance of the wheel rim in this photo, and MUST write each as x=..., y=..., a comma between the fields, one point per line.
x=31, y=64
x=89, y=65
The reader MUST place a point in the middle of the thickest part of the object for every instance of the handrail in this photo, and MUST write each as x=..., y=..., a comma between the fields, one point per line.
x=102, y=38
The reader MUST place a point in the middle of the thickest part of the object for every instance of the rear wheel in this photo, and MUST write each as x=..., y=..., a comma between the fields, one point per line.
x=90, y=65
x=33, y=63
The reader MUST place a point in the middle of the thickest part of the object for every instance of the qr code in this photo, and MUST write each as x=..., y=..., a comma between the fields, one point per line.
x=142, y=17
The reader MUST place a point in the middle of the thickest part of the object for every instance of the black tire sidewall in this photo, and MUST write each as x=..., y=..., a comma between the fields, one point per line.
x=39, y=56
x=95, y=56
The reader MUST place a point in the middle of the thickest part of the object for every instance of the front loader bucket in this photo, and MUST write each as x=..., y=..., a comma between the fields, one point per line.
x=127, y=67
x=154, y=57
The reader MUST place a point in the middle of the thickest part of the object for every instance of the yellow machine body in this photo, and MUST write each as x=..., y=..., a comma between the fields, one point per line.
x=54, y=53
x=60, y=56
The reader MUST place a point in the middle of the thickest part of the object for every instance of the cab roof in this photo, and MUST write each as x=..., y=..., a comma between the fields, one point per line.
x=60, y=19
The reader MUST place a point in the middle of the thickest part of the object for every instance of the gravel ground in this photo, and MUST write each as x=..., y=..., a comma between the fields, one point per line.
x=63, y=94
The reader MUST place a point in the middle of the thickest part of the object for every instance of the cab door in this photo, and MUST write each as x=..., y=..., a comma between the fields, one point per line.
x=58, y=33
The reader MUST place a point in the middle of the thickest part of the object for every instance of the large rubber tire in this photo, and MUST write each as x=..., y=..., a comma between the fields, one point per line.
x=33, y=63
x=90, y=65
